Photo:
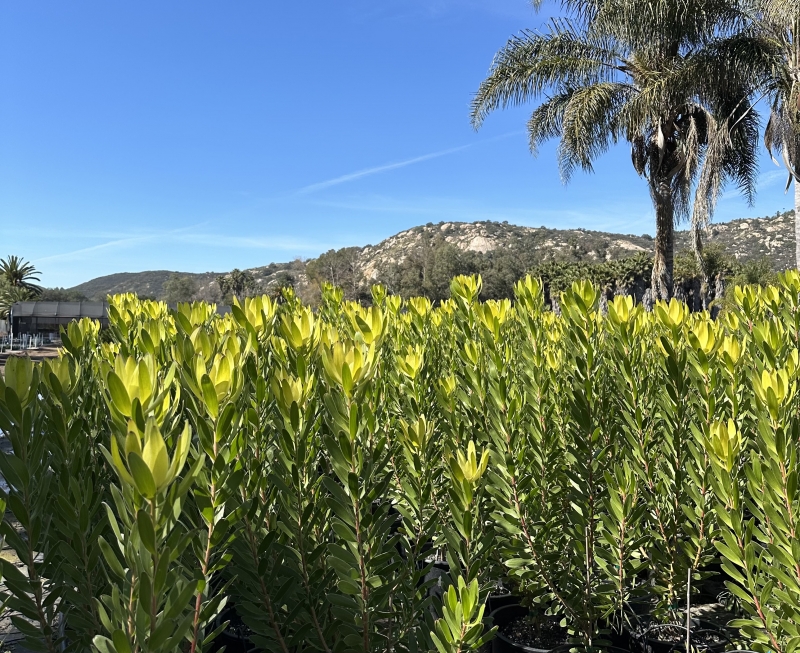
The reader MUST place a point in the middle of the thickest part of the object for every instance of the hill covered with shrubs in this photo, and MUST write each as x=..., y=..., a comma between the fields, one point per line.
x=421, y=262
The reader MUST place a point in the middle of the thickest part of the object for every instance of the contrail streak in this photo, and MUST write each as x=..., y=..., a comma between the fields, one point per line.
x=377, y=169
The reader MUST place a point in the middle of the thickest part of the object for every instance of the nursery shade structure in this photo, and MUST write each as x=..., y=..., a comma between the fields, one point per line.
x=49, y=317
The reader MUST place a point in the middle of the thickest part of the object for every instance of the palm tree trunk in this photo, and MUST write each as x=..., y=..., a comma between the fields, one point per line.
x=665, y=240
x=697, y=246
x=797, y=222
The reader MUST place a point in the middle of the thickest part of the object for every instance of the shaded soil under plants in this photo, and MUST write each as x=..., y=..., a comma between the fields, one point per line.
x=542, y=633
x=236, y=636
x=704, y=636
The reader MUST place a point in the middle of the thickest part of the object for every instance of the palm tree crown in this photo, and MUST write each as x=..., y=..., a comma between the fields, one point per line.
x=18, y=273
x=671, y=78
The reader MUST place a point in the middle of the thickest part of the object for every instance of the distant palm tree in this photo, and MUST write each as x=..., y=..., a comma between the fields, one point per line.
x=674, y=79
x=18, y=273
x=237, y=283
x=780, y=20
x=10, y=295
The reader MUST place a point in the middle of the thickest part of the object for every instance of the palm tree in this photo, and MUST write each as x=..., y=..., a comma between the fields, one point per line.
x=673, y=79
x=10, y=295
x=18, y=273
x=780, y=20
x=237, y=283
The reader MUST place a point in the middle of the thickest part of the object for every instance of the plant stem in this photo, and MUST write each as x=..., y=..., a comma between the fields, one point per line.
x=153, y=597
x=264, y=593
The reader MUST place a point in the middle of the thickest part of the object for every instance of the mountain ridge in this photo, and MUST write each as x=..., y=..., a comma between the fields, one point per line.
x=524, y=247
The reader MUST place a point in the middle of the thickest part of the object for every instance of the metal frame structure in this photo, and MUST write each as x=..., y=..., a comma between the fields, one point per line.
x=49, y=317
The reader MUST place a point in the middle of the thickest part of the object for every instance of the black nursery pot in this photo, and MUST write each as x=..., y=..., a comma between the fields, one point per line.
x=440, y=572
x=497, y=601
x=502, y=617
x=505, y=615
x=236, y=637
x=710, y=587
x=671, y=638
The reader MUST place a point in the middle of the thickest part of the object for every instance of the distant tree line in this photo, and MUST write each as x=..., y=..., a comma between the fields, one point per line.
x=428, y=269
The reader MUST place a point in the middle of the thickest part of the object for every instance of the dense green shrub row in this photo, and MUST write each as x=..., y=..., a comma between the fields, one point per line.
x=307, y=467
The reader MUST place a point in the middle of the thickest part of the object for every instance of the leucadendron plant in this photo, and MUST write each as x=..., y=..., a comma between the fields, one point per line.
x=213, y=374
x=758, y=507
x=302, y=472
x=667, y=398
x=525, y=481
x=282, y=578
x=148, y=607
x=57, y=482
x=363, y=554
x=417, y=486
x=29, y=479
x=461, y=627
x=567, y=507
x=76, y=426
x=621, y=555
x=588, y=448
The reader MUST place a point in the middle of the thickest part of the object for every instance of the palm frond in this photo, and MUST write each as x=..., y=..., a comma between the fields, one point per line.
x=10, y=296
x=546, y=120
x=782, y=137
x=780, y=11
x=739, y=65
x=670, y=25
x=19, y=273
x=590, y=124
x=532, y=63
x=730, y=155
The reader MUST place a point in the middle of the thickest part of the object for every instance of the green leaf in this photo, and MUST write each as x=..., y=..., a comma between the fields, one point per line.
x=119, y=394
x=121, y=643
x=517, y=563
x=104, y=644
x=182, y=601
x=146, y=531
x=210, y=396
x=142, y=477
x=110, y=558
x=347, y=586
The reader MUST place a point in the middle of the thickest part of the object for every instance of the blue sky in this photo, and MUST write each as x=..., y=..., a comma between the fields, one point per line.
x=204, y=135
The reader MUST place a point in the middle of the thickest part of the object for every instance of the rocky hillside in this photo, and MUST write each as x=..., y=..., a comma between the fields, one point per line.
x=753, y=238
x=745, y=239
x=535, y=243
x=454, y=247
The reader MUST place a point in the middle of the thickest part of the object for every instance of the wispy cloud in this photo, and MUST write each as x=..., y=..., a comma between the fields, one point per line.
x=359, y=174
x=78, y=254
x=120, y=242
x=191, y=236
x=626, y=218
x=771, y=178
x=367, y=172
x=287, y=244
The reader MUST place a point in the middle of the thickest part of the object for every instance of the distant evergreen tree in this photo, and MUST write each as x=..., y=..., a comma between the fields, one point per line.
x=62, y=295
x=237, y=283
x=179, y=288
